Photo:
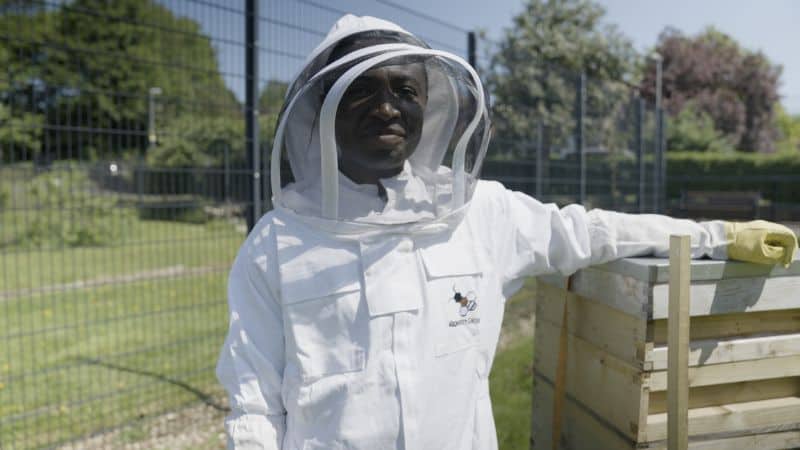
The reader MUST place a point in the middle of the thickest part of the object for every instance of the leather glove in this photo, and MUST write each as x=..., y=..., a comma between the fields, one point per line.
x=760, y=242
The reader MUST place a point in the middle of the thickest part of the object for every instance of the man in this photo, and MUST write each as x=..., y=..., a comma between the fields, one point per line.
x=365, y=308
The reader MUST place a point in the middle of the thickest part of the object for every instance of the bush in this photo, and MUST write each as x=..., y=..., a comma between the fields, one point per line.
x=733, y=172
x=69, y=211
x=692, y=129
x=5, y=197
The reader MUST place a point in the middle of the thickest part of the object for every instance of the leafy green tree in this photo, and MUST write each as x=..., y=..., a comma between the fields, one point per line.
x=788, y=129
x=735, y=87
x=694, y=130
x=91, y=63
x=201, y=141
x=534, y=73
x=20, y=125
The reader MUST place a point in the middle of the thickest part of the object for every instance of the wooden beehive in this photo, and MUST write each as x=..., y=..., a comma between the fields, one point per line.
x=744, y=360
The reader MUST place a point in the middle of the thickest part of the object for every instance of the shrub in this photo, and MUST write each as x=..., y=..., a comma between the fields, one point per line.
x=692, y=129
x=5, y=197
x=733, y=172
x=70, y=211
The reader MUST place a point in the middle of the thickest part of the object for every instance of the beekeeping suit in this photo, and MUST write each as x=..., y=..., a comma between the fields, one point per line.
x=366, y=315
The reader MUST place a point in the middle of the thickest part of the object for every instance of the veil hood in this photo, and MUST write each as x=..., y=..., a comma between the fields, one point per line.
x=445, y=166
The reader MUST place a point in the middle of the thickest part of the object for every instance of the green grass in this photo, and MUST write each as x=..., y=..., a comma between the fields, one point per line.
x=74, y=361
x=511, y=380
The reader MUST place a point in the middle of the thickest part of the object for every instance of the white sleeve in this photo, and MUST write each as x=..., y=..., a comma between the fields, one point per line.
x=251, y=362
x=541, y=238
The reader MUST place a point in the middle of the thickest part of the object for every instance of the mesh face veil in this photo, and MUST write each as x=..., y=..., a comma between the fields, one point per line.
x=389, y=103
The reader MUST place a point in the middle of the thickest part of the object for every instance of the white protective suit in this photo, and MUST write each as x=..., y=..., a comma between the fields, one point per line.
x=363, y=321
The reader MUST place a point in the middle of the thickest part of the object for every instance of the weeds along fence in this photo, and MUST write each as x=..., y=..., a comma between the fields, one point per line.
x=131, y=143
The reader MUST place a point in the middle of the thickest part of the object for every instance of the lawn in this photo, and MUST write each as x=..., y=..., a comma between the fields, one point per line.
x=109, y=335
x=98, y=337
x=511, y=380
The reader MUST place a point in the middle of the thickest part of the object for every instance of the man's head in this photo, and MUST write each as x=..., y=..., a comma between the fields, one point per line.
x=379, y=119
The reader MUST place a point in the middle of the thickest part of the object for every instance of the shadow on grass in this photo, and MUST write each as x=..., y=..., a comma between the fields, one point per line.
x=202, y=396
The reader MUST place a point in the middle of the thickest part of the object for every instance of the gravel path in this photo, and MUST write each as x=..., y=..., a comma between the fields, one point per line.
x=197, y=427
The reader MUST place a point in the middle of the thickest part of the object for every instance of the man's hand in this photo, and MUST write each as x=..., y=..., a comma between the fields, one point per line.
x=760, y=242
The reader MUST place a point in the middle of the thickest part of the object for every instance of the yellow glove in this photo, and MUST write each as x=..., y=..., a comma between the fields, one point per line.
x=760, y=242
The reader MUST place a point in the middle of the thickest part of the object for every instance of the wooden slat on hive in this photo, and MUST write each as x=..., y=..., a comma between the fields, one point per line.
x=764, y=441
x=718, y=351
x=582, y=428
x=775, y=414
x=618, y=333
x=622, y=400
x=758, y=369
x=732, y=296
x=721, y=394
x=736, y=324
x=623, y=293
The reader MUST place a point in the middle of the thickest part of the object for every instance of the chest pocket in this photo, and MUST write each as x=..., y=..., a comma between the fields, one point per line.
x=325, y=318
x=454, y=292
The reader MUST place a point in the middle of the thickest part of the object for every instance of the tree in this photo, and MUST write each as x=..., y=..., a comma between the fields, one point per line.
x=20, y=131
x=737, y=88
x=20, y=120
x=693, y=130
x=89, y=64
x=534, y=73
x=788, y=129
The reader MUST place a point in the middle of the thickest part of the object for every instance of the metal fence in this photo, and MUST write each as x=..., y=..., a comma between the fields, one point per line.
x=131, y=136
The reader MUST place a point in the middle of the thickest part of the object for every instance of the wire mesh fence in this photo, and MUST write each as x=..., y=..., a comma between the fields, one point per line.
x=580, y=140
x=126, y=186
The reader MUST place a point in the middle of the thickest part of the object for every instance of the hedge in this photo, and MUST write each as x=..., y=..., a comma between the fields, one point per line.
x=776, y=176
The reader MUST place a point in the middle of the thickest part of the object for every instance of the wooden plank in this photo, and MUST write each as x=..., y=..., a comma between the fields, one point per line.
x=746, y=391
x=561, y=369
x=719, y=351
x=727, y=325
x=656, y=270
x=618, y=333
x=759, y=369
x=616, y=391
x=777, y=413
x=582, y=429
x=763, y=441
x=623, y=293
x=734, y=295
x=678, y=339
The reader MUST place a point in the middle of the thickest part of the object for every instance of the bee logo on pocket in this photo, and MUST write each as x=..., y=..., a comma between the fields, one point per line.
x=468, y=302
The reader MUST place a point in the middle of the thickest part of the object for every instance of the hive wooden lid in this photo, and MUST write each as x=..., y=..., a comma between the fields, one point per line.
x=656, y=270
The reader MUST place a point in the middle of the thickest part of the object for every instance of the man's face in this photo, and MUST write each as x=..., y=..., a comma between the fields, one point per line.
x=379, y=121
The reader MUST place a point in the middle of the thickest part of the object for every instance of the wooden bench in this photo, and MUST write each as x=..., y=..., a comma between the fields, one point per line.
x=720, y=204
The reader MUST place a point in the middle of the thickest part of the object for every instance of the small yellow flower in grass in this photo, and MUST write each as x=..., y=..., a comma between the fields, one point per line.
x=47, y=312
x=6, y=367
x=64, y=408
x=2, y=386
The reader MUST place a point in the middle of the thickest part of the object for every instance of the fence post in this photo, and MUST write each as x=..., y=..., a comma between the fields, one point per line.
x=580, y=104
x=227, y=174
x=251, y=109
x=657, y=163
x=471, y=49
x=662, y=145
x=539, y=160
x=640, y=152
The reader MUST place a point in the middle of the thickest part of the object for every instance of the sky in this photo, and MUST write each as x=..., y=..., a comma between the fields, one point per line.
x=770, y=26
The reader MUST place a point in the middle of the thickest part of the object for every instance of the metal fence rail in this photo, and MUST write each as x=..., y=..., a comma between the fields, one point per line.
x=127, y=169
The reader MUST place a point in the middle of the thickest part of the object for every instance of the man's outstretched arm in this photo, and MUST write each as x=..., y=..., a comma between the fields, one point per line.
x=535, y=238
x=251, y=362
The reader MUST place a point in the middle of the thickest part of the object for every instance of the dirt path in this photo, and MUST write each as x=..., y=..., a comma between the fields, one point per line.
x=197, y=427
